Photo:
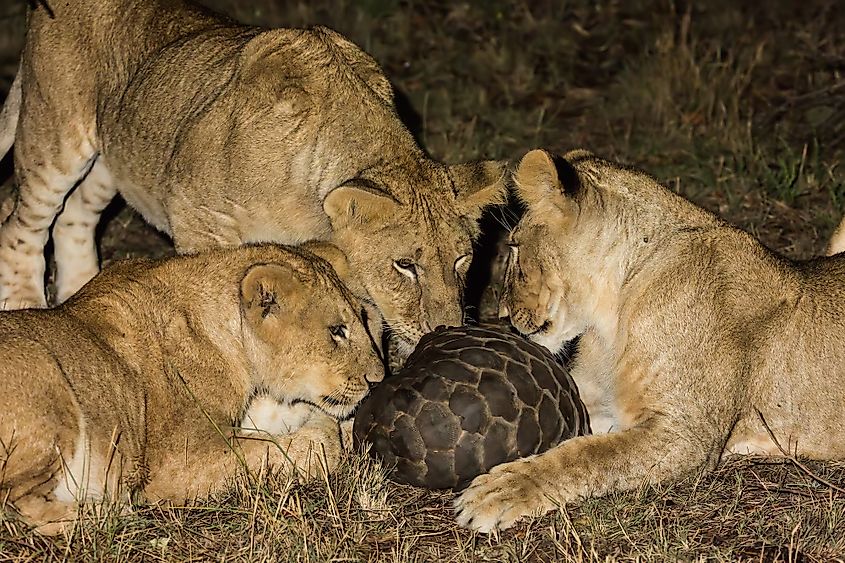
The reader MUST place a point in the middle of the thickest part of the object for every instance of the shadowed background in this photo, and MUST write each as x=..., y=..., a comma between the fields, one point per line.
x=738, y=106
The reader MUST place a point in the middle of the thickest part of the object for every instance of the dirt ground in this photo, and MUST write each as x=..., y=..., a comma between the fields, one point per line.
x=738, y=106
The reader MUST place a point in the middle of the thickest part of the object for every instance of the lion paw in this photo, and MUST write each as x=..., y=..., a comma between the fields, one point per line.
x=14, y=299
x=497, y=500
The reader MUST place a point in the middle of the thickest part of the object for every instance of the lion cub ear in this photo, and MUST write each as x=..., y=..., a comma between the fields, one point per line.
x=266, y=70
x=331, y=254
x=539, y=177
x=266, y=293
x=350, y=205
x=362, y=64
x=479, y=184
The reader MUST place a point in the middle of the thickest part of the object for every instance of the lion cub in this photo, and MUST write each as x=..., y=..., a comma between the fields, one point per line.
x=221, y=134
x=692, y=335
x=138, y=383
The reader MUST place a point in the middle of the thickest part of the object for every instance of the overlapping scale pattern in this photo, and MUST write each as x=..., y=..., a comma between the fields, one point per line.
x=467, y=399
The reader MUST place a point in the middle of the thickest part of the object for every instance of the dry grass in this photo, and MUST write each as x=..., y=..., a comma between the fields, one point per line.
x=739, y=106
x=748, y=509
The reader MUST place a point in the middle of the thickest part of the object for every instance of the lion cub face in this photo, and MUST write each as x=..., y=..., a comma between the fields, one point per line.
x=412, y=256
x=556, y=275
x=305, y=336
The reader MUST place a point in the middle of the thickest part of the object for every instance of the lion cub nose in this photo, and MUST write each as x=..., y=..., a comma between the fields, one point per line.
x=375, y=375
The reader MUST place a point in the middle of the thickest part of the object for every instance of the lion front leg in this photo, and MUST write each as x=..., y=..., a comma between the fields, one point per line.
x=199, y=470
x=314, y=446
x=578, y=468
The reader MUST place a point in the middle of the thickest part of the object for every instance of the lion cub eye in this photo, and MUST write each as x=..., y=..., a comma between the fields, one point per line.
x=406, y=267
x=339, y=332
x=462, y=262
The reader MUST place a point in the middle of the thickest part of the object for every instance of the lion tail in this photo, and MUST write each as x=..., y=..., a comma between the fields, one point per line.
x=9, y=116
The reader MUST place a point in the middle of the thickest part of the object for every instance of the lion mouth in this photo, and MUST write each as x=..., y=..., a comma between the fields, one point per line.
x=542, y=329
x=337, y=408
x=341, y=407
x=332, y=406
x=333, y=402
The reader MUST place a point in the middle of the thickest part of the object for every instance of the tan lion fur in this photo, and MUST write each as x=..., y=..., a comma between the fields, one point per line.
x=837, y=240
x=689, y=328
x=221, y=134
x=138, y=384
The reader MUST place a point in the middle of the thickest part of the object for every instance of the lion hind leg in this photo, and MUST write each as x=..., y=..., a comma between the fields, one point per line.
x=35, y=467
x=73, y=233
x=48, y=515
